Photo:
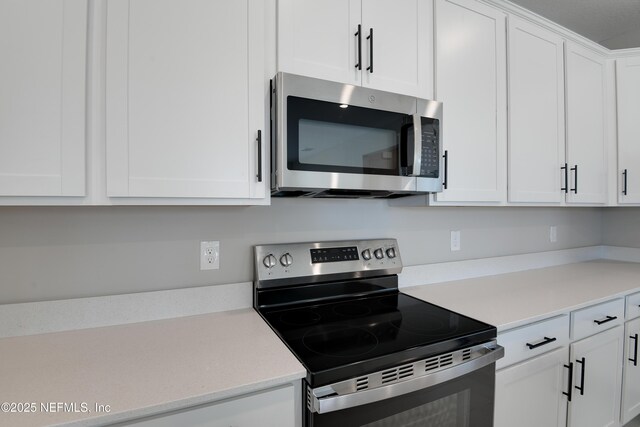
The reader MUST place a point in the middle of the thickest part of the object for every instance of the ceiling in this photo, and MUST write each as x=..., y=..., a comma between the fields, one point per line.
x=612, y=23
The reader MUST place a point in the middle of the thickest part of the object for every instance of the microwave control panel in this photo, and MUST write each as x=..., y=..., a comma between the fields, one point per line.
x=430, y=148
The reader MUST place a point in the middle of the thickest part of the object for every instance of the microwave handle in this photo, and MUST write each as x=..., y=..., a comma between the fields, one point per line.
x=417, y=145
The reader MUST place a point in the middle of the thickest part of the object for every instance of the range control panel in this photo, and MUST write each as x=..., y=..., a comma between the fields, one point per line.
x=314, y=262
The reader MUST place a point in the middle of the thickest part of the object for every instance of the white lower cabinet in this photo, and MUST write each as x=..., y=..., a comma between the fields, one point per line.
x=631, y=375
x=597, y=374
x=529, y=394
x=274, y=408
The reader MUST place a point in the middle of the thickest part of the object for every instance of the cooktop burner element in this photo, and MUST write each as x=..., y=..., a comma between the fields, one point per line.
x=339, y=341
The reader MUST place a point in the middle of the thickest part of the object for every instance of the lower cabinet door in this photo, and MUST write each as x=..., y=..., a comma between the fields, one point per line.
x=597, y=374
x=274, y=408
x=529, y=394
x=631, y=377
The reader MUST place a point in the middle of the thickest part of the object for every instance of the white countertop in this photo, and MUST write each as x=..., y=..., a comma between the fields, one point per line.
x=142, y=368
x=152, y=367
x=510, y=300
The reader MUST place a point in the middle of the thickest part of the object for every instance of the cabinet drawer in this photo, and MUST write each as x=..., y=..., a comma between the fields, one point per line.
x=633, y=306
x=531, y=340
x=597, y=318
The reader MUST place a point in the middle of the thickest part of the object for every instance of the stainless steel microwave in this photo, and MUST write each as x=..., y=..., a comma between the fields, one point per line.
x=337, y=140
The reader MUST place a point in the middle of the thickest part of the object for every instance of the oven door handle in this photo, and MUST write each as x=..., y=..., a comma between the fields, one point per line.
x=323, y=405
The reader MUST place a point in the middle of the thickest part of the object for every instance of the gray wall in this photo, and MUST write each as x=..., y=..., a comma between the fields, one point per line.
x=621, y=227
x=66, y=252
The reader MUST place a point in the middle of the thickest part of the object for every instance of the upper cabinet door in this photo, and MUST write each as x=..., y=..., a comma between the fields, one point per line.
x=471, y=81
x=42, y=97
x=375, y=43
x=397, y=46
x=319, y=39
x=536, y=113
x=586, y=131
x=185, y=98
x=628, y=83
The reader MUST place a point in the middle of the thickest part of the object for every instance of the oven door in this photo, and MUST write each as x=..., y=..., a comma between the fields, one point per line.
x=465, y=401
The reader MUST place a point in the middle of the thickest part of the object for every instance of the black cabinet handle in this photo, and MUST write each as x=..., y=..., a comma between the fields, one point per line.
x=575, y=182
x=445, y=181
x=259, y=141
x=370, y=38
x=635, y=351
x=581, y=388
x=566, y=179
x=624, y=182
x=358, y=34
x=605, y=320
x=570, y=388
x=546, y=341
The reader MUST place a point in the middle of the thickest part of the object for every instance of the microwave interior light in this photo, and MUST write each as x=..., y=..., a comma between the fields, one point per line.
x=344, y=105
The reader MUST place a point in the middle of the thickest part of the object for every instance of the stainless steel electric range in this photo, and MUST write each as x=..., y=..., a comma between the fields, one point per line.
x=375, y=357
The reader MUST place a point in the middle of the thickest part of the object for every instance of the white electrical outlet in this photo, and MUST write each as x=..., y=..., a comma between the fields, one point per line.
x=553, y=233
x=455, y=240
x=209, y=255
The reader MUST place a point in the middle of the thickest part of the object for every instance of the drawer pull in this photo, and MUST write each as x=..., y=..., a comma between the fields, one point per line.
x=568, y=392
x=634, y=359
x=581, y=388
x=607, y=319
x=546, y=340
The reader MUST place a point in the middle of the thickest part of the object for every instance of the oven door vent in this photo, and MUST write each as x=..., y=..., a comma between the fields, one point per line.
x=362, y=383
x=466, y=354
x=442, y=361
x=396, y=374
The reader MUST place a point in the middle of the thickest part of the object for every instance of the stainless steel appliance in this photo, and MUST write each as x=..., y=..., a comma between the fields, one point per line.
x=337, y=140
x=374, y=356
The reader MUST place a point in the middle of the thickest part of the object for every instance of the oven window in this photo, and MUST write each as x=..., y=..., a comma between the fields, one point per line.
x=449, y=411
x=330, y=137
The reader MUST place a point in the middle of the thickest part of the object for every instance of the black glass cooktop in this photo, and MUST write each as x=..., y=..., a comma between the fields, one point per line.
x=359, y=335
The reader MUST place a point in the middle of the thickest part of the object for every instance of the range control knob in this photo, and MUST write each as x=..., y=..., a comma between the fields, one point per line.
x=391, y=253
x=378, y=253
x=269, y=261
x=366, y=254
x=286, y=260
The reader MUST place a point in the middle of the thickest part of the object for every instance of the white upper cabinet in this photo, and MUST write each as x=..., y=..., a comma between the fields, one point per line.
x=186, y=90
x=375, y=43
x=536, y=114
x=628, y=84
x=42, y=97
x=319, y=39
x=471, y=82
x=586, y=131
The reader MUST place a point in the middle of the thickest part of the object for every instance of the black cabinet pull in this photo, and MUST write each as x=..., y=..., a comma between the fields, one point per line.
x=624, y=182
x=570, y=388
x=566, y=179
x=607, y=319
x=547, y=340
x=575, y=182
x=259, y=141
x=358, y=34
x=370, y=38
x=635, y=351
x=581, y=388
x=445, y=181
